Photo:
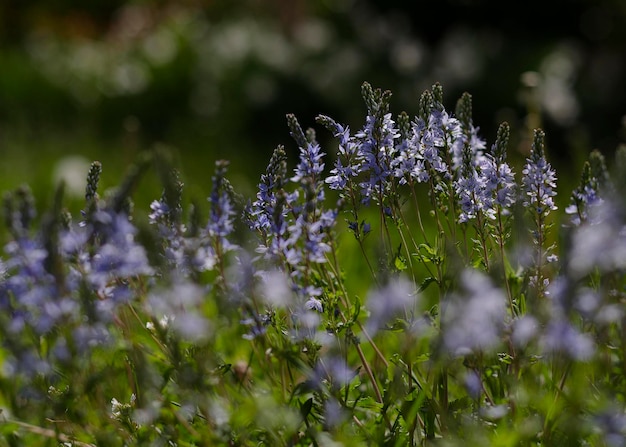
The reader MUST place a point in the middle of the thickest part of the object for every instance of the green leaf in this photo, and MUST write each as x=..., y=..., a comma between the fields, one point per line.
x=305, y=408
x=460, y=404
x=400, y=264
x=427, y=282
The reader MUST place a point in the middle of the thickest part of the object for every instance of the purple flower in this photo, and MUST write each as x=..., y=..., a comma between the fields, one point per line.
x=471, y=194
x=473, y=318
x=473, y=384
x=118, y=256
x=377, y=150
x=585, y=196
x=221, y=214
x=561, y=337
x=539, y=179
x=314, y=304
x=612, y=424
x=397, y=299
x=409, y=161
x=499, y=185
x=349, y=161
x=310, y=165
x=600, y=242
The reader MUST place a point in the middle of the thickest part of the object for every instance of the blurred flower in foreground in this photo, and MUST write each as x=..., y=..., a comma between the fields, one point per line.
x=473, y=317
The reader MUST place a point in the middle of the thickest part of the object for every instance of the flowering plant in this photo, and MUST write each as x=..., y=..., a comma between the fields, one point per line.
x=413, y=291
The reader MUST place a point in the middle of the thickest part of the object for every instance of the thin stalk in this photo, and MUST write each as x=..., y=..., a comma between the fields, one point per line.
x=334, y=266
x=500, y=238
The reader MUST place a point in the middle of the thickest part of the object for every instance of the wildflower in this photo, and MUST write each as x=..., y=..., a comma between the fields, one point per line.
x=180, y=307
x=525, y=328
x=538, y=185
x=348, y=163
x=118, y=256
x=332, y=370
x=312, y=294
x=303, y=234
x=310, y=164
x=397, y=299
x=267, y=212
x=257, y=326
x=160, y=210
x=473, y=318
x=275, y=288
x=539, y=179
x=470, y=189
x=600, y=242
x=473, y=384
x=431, y=145
x=466, y=147
x=498, y=178
x=221, y=214
x=612, y=424
x=587, y=193
x=561, y=337
x=314, y=304
x=376, y=145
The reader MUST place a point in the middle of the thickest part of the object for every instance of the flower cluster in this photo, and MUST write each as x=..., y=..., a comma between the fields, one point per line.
x=539, y=179
x=587, y=195
x=437, y=325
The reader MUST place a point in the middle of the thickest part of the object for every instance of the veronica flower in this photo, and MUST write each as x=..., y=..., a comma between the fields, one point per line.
x=397, y=299
x=561, y=337
x=500, y=186
x=431, y=145
x=539, y=179
x=30, y=292
x=118, y=256
x=538, y=183
x=172, y=236
x=349, y=160
x=409, y=161
x=470, y=189
x=488, y=188
x=160, y=211
x=377, y=149
x=473, y=318
x=376, y=145
x=267, y=214
x=221, y=213
x=181, y=306
x=612, y=424
x=587, y=194
x=447, y=137
x=310, y=164
x=600, y=242
x=213, y=243
x=307, y=233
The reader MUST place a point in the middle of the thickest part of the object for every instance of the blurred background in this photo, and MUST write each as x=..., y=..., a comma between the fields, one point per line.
x=210, y=79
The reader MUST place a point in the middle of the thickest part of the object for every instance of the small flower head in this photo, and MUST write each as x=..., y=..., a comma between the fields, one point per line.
x=539, y=179
x=594, y=180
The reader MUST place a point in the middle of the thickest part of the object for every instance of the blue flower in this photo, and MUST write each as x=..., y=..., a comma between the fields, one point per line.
x=561, y=337
x=310, y=164
x=539, y=179
x=585, y=196
x=349, y=161
x=473, y=317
